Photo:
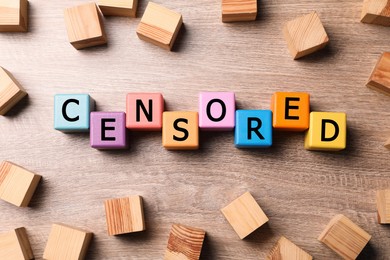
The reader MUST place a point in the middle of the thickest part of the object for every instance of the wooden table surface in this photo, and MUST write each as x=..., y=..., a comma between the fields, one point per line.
x=299, y=190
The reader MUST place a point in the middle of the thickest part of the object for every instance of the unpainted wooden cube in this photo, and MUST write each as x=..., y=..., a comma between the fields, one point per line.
x=13, y=15
x=244, y=215
x=124, y=215
x=14, y=245
x=184, y=243
x=376, y=12
x=238, y=10
x=383, y=206
x=387, y=144
x=380, y=76
x=159, y=26
x=305, y=35
x=284, y=249
x=17, y=185
x=11, y=92
x=67, y=243
x=119, y=7
x=85, y=27
x=344, y=237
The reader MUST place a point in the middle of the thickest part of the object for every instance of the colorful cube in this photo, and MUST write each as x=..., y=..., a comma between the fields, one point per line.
x=327, y=131
x=376, y=12
x=84, y=24
x=344, y=237
x=284, y=249
x=13, y=15
x=67, y=243
x=253, y=129
x=124, y=215
x=383, y=206
x=305, y=35
x=380, y=76
x=244, y=215
x=11, y=92
x=217, y=110
x=238, y=10
x=184, y=243
x=17, y=185
x=108, y=130
x=290, y=111
x=119, y=7
x=159, y=26
x=180, y=131
x=14, y=245
x=144, y=111
x=71, y=112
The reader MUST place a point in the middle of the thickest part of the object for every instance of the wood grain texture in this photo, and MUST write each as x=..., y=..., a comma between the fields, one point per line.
x=124, y=215
x=84, y=24
x=119, y=7
x=383, y=206
x=380, y=76
x=239, y=10
x=14, y=245
x=376, y=12
x=13, y=15
x=11, y=92
x=305, y=35
x=284, y=249
x=159, y=26
x=184, y=243
x=17, y=185
x=67, y=243
x=344, y=237
x=299, y=190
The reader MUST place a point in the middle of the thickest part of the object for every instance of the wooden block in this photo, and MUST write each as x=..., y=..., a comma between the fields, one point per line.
x=180, y=131
x=290, y=111
x=15, y=245
x=67, y=243
x=108, y=130
x=344, y=237
x=383, y=206
x=119, y=7
x=71, y=112
x=144, y=111
x=327, y=131
x=239, y=10
x=13, y=15
x=284, y=249
x=380, y=76
x=185, y=243
x=17, y=185
x=253, y=129
x=84, y=24
x=124, y=215
x=376, y=12
x=244, y=215
x=305, y=35
x=217, y=111
x=159, y=26
x=11, y=92
x=387, y=144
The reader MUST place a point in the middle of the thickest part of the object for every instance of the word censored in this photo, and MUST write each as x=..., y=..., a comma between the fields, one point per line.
x=289, y=111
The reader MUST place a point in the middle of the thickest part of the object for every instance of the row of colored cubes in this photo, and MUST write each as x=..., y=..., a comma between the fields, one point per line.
x=290, y=111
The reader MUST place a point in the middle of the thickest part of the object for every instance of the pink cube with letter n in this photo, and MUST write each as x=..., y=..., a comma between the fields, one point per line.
x=217, y=111
x=144, y=111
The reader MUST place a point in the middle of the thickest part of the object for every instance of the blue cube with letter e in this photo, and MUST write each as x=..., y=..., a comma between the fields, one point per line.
x=71, y=112
x=253, y=129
